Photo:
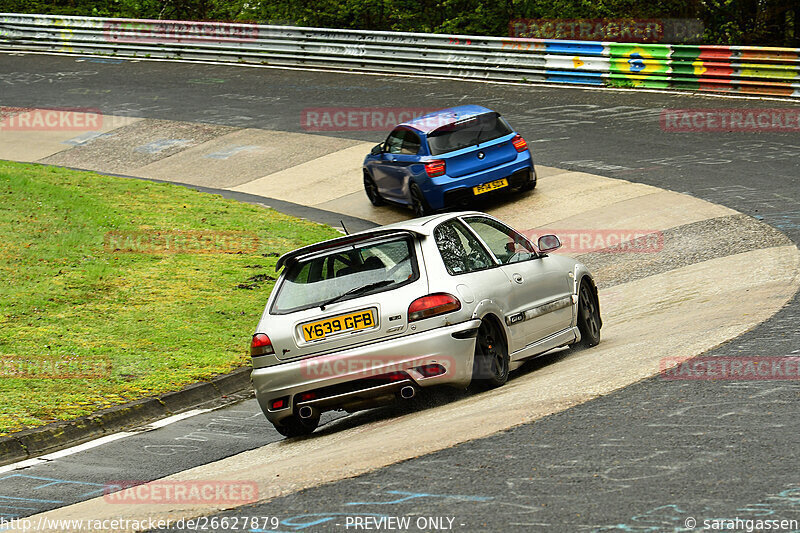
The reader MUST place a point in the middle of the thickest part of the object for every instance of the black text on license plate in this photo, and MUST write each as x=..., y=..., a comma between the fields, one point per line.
x=338, y=324
x=492, y=185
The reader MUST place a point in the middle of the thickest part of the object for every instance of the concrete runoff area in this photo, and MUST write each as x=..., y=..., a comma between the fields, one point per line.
x=33, y=145
x=244, y=156
x=125, y=150
x=675, y=308
x=316, y=181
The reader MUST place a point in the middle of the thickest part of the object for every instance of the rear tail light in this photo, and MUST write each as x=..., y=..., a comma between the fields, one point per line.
x=429, y=371
x=432, y=305
x=261, y=345
x=519, y=143
x=435, y=168
x=280, y=403
x=307, y=396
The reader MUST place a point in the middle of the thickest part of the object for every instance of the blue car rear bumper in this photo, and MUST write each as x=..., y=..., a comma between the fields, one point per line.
x=445, y=191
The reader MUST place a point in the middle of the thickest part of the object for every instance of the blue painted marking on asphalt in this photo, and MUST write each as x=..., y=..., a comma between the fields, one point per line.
x=160, y=145
x=233, y=150
x=413, y=495
x=18, y=507
x=18, y=499
x=315, y=519
x=409, y=496
x=87, y=137
x=784, y=220
x=793, y=495
x=53, y=481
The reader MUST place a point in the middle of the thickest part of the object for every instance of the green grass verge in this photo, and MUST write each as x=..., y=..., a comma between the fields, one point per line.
x=128, y=324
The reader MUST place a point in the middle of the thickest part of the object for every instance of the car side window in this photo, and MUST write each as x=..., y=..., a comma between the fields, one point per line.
x=461, y=252
x=394, y=143
x=507, y=245
x=402, y=141
x=411, y=143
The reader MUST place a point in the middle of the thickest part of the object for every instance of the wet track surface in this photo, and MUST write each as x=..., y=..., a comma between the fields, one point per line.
x=642, y=459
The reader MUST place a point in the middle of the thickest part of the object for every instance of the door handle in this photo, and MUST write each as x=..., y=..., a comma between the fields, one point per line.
x=517, y=277
x=390, y=158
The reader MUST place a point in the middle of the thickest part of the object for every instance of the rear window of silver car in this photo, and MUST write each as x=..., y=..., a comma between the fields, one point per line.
x=467, y=132
x=388, y=263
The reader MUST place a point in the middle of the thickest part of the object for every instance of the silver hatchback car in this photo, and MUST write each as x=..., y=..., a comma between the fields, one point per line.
x=452, y=299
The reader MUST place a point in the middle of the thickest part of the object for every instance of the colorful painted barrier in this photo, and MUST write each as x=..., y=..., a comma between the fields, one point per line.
x=726, y=69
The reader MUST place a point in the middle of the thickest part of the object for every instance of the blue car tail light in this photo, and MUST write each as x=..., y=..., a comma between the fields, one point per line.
x=519, y=143
x=435, y=168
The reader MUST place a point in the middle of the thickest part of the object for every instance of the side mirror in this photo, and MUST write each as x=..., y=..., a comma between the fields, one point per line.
x=377, y=149
x=548, y=243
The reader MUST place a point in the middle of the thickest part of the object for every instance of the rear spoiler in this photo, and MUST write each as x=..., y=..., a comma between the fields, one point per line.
x=453, y=125
x=338, y=242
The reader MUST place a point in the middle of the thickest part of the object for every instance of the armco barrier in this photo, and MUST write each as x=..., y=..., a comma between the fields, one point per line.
x=729, y=69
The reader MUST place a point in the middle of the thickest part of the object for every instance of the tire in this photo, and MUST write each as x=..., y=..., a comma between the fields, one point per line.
x=295, y=426
x=372, y=190
x=418, y=203
x=589, y=321
x=490, y=366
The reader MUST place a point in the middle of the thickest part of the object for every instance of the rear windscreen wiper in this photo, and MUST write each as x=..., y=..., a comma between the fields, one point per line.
x=356, y=290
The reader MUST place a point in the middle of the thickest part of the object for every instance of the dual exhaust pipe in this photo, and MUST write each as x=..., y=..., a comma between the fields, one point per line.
x=306, y=412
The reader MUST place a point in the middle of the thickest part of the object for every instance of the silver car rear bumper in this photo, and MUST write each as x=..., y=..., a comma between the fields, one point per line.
x=453, y=347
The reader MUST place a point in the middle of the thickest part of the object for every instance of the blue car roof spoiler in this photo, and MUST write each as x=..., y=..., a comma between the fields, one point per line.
x=445, y=117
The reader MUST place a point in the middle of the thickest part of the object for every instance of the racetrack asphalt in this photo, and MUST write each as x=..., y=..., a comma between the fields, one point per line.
x=641, y=459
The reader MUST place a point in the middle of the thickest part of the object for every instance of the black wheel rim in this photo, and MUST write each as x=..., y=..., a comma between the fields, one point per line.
x=589, y=311
x=492, y=350
x=371, y=188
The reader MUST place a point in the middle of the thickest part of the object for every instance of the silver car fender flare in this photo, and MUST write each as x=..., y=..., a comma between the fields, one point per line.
x=490, y=307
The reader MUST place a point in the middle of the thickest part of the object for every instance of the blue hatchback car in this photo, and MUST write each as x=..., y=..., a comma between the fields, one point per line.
x=447, y=159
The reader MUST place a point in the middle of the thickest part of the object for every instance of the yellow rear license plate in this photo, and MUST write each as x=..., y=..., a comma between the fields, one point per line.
x=491, y=186
x=339, y=324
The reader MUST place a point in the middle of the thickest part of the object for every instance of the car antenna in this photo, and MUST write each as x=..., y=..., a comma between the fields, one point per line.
x=344, y=228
